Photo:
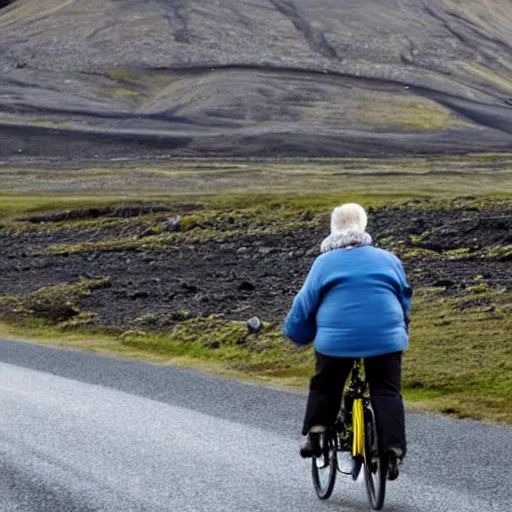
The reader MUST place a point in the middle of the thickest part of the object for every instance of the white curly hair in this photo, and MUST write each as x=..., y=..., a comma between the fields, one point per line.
x=348, y=217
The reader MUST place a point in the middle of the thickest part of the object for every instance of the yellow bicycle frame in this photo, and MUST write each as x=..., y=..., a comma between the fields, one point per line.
x=358, y=428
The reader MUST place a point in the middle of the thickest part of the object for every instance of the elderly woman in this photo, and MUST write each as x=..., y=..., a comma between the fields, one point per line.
x=354, y=303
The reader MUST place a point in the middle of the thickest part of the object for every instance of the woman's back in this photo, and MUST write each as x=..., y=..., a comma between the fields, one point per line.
x=360, y=313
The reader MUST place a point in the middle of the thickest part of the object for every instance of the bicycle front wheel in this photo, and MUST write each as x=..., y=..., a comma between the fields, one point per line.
x=324, y=467
x=375, y=464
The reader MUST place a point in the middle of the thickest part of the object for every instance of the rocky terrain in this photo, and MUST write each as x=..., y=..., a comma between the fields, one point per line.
x=238, y=262
x=85, y=80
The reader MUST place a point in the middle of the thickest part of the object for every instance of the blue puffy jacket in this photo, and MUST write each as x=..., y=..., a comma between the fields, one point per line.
x=355, y=302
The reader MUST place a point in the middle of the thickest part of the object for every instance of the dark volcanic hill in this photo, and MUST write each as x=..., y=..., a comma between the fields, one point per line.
x=139, y=78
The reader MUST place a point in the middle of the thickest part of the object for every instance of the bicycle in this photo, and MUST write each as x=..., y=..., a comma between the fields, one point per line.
x=354, y=431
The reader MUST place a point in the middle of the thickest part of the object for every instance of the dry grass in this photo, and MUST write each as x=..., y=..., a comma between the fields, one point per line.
x=412, y=114
x=491, y=76
x=413, y=177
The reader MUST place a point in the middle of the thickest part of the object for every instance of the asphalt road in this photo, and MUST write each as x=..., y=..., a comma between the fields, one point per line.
x=81, y=432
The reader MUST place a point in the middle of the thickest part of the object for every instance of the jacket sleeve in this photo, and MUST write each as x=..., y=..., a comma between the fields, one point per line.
x=405, y=294
x=300, y=323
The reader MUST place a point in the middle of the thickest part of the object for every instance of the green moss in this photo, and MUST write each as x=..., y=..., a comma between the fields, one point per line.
x=82, y=320
x=22, y=204
x=152, y=242
x=500, y=251
x=420, y=238
x=181, y=315
x=418, y=251
x=189, y=222
x=135, y=337
x=387, y=241
x=45, y=123
x=58, y=303
x=455, y=253
x=8, y=303
x=479, y=288
x=495, y=252
x=156, y=229
x=119, y=92
x=148, y=319
x=126, y=74
x=202, y=330
x=91, y=225
x=490, y=76
x=478, y=202
x=8, y=299
x=410, y=113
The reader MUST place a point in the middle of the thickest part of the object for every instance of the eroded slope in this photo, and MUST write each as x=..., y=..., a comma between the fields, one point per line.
x=266, y=77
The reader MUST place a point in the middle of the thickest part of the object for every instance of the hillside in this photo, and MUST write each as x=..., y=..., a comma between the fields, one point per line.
x=104, y=79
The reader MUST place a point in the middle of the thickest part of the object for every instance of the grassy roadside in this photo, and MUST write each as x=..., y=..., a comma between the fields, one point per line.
x=459, y=362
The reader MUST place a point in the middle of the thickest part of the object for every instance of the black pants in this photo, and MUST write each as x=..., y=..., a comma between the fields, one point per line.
x=383, y=374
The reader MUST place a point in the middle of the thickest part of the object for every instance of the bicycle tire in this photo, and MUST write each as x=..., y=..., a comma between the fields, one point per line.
x=324, y=467
x=375, y=463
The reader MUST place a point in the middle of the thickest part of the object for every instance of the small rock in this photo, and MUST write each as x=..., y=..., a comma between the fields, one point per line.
x=242, y=250
x=212, y=344
x=191, y=288
x=448, y=232
x=246, y=286
x=447, y=283
x=180, y=316
x=254, y=324
x=172, y=223
x=139, y=294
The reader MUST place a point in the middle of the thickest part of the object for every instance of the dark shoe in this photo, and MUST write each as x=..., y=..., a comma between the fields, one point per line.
x=311, y=446
x=394, y=456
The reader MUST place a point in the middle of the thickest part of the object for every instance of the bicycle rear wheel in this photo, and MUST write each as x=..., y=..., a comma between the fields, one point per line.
x=375, y=464
x=323, y=468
